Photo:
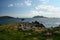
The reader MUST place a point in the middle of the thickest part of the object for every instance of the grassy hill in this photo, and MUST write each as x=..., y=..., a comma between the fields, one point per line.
x=11, y=32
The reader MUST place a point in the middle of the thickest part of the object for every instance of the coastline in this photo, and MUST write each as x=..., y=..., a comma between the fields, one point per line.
x=14, y=31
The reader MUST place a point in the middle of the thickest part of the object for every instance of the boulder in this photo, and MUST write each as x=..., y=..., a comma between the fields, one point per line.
x=37, y=24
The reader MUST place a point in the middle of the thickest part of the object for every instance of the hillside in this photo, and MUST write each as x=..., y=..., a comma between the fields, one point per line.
x=11, y=32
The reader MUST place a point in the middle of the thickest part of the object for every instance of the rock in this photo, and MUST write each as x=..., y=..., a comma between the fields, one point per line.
x=37, y=24
x=28, y=25
x=22, y=19
x=49, y=39
x=35, y=38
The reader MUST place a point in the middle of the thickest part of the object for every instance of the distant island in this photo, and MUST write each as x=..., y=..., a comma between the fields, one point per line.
x=6, y=17
x=39, y=17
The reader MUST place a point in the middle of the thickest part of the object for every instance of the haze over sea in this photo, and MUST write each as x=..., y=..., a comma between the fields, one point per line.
x=48, y=22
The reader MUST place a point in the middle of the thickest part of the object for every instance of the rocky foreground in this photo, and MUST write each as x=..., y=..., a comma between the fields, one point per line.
x=28, y=31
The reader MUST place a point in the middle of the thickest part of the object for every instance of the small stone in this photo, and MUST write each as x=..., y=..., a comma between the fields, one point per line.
x=35, y=38
x=29, y=33
x=49, y=39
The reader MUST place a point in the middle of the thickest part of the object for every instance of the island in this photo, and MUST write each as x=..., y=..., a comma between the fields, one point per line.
x=39, y=17
x=6, y=17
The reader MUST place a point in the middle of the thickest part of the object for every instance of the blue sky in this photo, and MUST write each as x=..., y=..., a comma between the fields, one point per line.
x=30, y=8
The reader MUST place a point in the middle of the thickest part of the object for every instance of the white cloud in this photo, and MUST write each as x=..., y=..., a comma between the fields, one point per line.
x=10, y=5
x=35, y=12
x=51, y=14
x=46, y=14
x=18, y=4
x=21, y=4
x=28, y=2
x=29, y=15
x=52, y=11
x=44, y=1
x=15, y=5
x=48, y=8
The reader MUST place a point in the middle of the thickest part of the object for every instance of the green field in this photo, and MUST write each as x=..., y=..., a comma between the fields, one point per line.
x=11, y=32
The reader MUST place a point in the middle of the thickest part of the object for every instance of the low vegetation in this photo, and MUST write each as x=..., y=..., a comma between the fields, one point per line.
x=11, y=32
x=6, y=17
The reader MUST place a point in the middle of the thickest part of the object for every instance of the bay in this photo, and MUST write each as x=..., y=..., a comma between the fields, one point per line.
x=48, y=22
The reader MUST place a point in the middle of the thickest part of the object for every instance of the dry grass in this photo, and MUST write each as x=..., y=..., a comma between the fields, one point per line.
x=35, y=38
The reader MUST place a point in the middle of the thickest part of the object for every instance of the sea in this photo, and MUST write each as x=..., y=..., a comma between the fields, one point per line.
x=47, y=22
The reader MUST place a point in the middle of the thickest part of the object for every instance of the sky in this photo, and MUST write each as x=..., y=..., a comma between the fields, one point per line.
x=30, y=8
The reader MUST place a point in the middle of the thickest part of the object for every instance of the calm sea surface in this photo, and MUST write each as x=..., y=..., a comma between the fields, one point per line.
x=48, y=22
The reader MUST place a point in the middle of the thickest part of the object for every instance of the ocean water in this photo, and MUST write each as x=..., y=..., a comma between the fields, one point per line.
x=48, y=22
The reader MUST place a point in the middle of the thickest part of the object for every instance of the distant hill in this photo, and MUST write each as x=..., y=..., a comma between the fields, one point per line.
x=6, y=17
x=39, y=17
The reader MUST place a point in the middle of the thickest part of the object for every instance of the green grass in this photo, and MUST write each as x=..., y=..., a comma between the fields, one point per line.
x=8, y=33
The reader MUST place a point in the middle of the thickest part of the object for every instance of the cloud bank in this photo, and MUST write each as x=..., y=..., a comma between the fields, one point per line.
x=43, y=8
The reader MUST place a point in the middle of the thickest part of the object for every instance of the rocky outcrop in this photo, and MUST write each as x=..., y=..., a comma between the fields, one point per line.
x=28, y=25
x=37, y=24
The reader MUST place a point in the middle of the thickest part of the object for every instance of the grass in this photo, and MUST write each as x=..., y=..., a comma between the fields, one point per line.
x=8, y=32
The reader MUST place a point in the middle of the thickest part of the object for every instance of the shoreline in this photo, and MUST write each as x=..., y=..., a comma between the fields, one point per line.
x=15, y=31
